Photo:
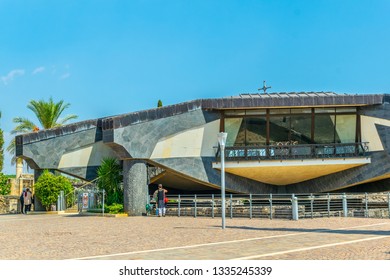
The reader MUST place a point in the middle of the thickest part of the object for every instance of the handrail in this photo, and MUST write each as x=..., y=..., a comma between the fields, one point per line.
x=291, y=150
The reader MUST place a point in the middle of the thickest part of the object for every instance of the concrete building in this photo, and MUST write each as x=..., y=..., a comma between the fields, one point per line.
x=277, y=143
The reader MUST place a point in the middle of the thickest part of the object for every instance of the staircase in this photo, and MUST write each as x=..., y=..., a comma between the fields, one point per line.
x=73, y=209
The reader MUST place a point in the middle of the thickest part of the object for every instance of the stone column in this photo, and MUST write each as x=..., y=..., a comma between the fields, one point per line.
x=135, y=187
x=37, y=203
x=19, y=172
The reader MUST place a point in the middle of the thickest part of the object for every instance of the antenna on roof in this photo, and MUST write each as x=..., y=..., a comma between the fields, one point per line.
x=264, y=88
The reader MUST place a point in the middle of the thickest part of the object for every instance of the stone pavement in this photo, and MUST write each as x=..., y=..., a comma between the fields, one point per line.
x=56, y=237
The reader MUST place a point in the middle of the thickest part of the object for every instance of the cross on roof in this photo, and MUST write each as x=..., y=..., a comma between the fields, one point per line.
x=264, y=88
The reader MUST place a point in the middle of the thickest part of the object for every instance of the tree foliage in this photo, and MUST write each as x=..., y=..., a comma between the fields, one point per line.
x=159, y=103
x=110, y=179
x=48, y=114
x=5, y=188
x=48, y=187
x=1, y=148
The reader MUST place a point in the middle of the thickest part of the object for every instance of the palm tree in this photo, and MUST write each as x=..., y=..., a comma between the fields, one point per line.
x=48, y=114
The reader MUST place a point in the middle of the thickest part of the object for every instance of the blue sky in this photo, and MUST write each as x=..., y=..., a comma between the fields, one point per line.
x=113, y=57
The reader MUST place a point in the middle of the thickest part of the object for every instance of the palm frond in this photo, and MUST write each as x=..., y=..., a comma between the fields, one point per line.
x=24, y=125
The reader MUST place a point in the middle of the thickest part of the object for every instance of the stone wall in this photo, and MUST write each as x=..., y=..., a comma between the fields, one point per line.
x=9, y=204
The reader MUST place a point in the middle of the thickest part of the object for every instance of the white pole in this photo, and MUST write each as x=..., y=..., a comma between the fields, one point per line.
x=222, y=136
x=223, y=184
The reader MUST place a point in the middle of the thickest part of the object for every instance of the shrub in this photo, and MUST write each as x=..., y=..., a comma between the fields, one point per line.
x=110, y=179
x=5, y=188
x=48, y=187
x=115, y=208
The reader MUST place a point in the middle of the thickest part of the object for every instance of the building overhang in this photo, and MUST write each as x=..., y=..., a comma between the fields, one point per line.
x=286, y=172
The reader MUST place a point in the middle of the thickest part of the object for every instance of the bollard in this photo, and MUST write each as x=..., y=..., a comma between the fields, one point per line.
x=294, y=207
x=345, y=205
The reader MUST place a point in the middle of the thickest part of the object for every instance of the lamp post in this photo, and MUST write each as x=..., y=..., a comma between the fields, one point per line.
x=222, y=142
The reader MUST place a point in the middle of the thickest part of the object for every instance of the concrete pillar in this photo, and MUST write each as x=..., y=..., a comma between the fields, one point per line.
x=135, y=187
x=37, y=203
x=37, y=173
x=19, y=171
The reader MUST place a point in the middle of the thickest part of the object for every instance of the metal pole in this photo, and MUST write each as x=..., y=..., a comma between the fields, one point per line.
x=328, y=206
x=250, y=206
x=294, y=206
x=222, y=136
x=388, y=201
x=62, y=201
x=345, y=205
x=223, y=185
x=178, y=206
x=311, y=204
x=231, y=206
x=195, y=208
x=103, y=202
x=212, y=206
x=270, y=206
x=366, y=204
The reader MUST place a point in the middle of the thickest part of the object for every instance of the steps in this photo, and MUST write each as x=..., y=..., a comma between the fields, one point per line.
x=73, y=209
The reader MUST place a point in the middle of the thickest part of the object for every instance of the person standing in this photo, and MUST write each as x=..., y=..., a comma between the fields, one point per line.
x=27, y=200
x=21, y=198
x=161, y=200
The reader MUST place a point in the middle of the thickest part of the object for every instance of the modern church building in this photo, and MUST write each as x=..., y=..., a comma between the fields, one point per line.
x=307, y=142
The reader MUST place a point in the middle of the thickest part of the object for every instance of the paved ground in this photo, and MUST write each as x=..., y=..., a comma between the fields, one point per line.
x=37, y=237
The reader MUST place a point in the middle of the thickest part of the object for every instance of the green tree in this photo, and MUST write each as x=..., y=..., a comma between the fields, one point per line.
x=159, y=103
x=48, y=114
x=1, y=148
x=5, y=187
x=110, y=179
x=48, y=187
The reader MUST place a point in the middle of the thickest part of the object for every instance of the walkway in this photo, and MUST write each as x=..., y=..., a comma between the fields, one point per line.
x=87, y=237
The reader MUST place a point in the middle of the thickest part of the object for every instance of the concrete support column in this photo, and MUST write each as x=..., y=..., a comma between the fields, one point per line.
x=19, y=172
x=37, y=203
x=37, y=173
x=135, y=187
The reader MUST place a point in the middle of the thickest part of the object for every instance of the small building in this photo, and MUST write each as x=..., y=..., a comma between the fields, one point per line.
x=307, y=142
x=23, y=181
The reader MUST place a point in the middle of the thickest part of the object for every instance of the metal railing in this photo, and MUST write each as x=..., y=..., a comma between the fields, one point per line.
x=283, y=206
x=288, y=150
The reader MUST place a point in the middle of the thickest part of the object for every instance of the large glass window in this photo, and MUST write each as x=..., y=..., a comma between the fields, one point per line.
x=300, y=130
x=324, y=129
x=346, y=128
x=235, y=128
x=291, y=126
x=279, y=127
x=250, y=131
x=256, y=131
